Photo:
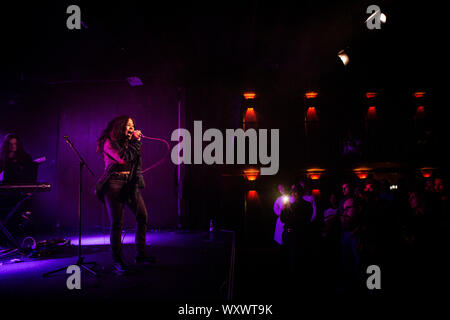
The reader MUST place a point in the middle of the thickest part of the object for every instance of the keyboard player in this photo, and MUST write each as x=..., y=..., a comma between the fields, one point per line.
x=16, y=168
x=16, y=165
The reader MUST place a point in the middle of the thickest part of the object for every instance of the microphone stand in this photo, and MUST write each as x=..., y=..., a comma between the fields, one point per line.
x=80, y=261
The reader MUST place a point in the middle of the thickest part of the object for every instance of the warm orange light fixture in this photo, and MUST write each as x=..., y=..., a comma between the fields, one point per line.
x=249, y=95
x=314, y=173
x=426, y=172
x=419, y=94
x=420, y=112
x=372, y=113
x=249, y=118
x=251, y=174
x=311, y=95
x=362, y=173
x=311, y=114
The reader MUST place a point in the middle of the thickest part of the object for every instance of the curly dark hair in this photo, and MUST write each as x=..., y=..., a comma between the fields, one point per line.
x=114, y=131
x=21, y=155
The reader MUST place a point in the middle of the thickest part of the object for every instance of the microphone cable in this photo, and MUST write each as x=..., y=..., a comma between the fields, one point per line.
x=157, y=163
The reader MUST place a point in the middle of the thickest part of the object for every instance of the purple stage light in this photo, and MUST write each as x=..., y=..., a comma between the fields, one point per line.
x=135, y=81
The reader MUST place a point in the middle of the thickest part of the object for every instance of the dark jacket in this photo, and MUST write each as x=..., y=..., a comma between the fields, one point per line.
x=22, y=171
x=116, y=155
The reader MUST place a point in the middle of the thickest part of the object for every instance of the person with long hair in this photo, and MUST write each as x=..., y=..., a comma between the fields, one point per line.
x=15, y=163
x=120, y=185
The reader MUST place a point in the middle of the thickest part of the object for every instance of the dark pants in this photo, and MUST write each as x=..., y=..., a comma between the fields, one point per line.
x=117, y=195
x=298, y=259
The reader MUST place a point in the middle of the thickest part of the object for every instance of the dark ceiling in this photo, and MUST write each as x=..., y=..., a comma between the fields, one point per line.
x=294, y=42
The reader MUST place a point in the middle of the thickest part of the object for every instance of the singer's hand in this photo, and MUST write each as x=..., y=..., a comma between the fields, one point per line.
x=137, y=134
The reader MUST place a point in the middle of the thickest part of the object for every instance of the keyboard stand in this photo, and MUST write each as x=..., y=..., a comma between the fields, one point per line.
x=10, y=214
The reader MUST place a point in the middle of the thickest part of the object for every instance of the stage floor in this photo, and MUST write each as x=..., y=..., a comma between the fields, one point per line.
x=190, y=266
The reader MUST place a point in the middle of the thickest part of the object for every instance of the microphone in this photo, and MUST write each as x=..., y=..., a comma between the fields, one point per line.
x=67, y=140
x=40, y=160
x=142, y=136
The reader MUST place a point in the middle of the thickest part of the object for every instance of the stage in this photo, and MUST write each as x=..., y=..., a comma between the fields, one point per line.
x=190, y=266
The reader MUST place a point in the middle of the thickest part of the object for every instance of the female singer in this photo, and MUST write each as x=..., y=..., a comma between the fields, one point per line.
x=120, y=184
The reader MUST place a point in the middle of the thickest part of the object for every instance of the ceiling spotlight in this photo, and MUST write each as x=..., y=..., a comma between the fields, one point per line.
x=344, y=57
x=135, y=81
